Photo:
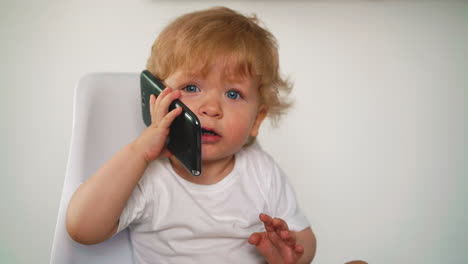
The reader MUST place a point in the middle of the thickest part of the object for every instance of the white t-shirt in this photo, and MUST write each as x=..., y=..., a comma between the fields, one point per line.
x=172, y=220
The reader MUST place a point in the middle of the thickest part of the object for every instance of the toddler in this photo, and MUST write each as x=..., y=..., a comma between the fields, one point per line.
x=224, y=67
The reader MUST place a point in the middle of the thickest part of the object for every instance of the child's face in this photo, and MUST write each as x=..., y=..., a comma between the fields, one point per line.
x=229, y=109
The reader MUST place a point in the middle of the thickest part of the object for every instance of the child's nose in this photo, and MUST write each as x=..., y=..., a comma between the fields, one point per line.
x=211, y=107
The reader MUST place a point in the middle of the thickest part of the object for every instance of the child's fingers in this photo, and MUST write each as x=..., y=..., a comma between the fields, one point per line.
x=282, y=230
x=166, y=121
x=162, y=104
x=152, y=100
x=255, y=239
x=299, y=249
x=288, y=238
x=166, y=153
x=265, y=218
x=276, y=240
x=279, y=224
x=154, y=104
x=267, y=222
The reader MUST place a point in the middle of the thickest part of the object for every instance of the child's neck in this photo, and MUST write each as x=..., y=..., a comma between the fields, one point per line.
x=212, y=171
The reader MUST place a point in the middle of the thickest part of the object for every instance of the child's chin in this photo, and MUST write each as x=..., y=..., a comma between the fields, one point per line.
x=211, y=153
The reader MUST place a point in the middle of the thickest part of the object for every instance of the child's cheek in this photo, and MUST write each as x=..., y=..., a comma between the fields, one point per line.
x=239, y=125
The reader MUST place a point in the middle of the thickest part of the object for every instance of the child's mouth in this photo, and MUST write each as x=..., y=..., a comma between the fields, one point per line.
x=206, y=131
x=209, y=135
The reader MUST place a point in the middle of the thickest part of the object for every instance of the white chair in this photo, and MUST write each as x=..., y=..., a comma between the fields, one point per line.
x=106, y=116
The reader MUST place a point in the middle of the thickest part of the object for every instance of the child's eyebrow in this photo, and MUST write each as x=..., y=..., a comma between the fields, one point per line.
x=182, y=78
x=187, y=77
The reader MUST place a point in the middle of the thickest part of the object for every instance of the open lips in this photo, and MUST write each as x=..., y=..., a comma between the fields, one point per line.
x=209, y=136
x=207, y=131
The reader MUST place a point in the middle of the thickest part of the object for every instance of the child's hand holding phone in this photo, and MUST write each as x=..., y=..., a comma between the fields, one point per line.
x=152, y=141
x=184, y=139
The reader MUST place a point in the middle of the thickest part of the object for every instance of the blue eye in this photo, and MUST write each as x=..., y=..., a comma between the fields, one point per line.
x=233, y=94
x=191, y=88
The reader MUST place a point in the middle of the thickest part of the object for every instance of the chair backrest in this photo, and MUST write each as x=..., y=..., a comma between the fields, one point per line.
x=106, y=117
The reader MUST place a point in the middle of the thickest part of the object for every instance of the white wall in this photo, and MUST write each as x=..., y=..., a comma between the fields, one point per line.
x=376, y=145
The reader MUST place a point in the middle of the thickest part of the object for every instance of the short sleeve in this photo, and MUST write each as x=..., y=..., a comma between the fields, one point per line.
x=283, y=202
x=136, y=209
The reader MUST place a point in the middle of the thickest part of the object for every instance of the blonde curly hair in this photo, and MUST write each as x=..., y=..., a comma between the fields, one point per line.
x=194, y=40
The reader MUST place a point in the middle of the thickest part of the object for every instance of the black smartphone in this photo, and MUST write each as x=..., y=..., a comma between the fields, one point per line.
x=184, y=140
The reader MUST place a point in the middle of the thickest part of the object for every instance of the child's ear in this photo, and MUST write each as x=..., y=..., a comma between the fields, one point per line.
x=261, y=114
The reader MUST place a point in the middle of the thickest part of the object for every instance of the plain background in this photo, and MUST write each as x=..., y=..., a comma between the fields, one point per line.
x=375, y=145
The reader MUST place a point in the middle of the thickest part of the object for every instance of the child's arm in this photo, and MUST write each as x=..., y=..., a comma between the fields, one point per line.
x=94, y=209
x=281, y=245
x=307, y=239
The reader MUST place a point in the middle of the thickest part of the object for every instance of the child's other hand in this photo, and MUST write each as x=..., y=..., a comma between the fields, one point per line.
x=151, y=143
x=278, y=243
